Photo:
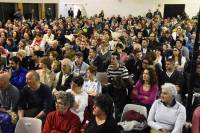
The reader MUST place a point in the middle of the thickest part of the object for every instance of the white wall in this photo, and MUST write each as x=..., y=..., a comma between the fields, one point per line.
x=30, y=1
x=122, y=7
x=126, y=7
x=64, y=6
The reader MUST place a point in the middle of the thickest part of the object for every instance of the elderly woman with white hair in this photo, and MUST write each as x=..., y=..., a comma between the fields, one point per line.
x=166, y=114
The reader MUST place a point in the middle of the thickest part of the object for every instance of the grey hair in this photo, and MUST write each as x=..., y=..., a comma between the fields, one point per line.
x=68, y=62
x=66, y=97
x=171, y=88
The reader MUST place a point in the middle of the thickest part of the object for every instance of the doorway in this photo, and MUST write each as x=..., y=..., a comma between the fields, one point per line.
x=172, y=10
x=30, y=11
x=7, y=11
x=52, y=9
x=75, y=8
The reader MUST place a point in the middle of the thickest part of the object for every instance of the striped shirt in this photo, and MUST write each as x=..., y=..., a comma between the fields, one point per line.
x=121, y=71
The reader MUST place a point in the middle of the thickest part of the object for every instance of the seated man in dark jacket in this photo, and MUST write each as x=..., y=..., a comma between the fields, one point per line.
x=36, y=99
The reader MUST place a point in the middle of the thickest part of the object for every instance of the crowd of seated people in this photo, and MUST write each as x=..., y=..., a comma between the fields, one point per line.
x=49, y=71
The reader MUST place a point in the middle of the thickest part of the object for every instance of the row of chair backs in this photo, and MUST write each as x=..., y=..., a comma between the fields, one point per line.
x=28, y=125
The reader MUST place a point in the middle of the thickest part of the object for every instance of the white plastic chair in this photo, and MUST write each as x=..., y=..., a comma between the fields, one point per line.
x=134, y=125
x=138, y=108
x=29, y=125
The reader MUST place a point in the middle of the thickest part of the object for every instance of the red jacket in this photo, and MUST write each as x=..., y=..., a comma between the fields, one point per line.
x=62, y=123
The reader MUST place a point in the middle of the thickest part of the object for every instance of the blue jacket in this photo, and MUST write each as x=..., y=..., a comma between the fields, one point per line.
x=18, y=78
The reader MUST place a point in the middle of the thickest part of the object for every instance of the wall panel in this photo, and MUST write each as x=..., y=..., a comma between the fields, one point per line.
x=123, y=7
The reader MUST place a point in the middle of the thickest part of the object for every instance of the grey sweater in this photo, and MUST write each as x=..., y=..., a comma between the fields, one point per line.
x=9, y=97
x=171, y=118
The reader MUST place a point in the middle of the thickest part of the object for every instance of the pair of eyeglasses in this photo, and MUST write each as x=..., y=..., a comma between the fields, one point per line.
x=60, y=103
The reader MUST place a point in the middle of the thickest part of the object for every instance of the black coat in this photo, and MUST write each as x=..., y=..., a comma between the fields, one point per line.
x=67, y=83
x=176, y=78
x=110, y=126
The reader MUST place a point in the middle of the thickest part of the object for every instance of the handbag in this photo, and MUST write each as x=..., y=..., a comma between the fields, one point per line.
x=6, y=124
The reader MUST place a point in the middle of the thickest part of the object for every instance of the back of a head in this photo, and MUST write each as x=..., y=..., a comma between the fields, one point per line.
x=105, y=102
x=45, y=60
x=78, y=80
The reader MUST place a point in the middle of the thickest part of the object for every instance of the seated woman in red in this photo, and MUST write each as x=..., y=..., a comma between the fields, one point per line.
x=146, y=88
x=62, y=120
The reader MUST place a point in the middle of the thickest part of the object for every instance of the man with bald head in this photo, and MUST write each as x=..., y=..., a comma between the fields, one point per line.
x=36, y=99
x=9, y=96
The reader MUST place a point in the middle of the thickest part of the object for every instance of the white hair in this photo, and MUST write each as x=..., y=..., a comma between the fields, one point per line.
x=68, y=62
x=171, y=88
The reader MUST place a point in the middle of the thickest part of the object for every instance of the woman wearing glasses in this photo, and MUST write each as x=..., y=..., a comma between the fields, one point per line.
x=62, y=120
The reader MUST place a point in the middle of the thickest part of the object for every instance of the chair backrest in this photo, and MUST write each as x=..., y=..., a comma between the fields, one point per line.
x=138, y=108
x=102, y=77
x=29, y=125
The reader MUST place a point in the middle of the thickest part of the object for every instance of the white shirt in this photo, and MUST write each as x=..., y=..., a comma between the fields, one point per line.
x=92, y=86
x=82, y=100
x=169, y=74
x=47, y=38
x=181, y=67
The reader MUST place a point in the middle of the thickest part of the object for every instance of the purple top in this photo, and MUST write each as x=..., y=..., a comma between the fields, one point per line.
x=138, y=94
